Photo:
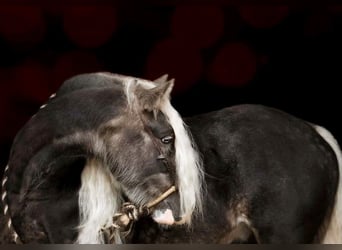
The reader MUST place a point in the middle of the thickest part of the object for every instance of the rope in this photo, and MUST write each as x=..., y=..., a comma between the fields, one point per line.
x=162, y=197
x=123, y=221
x=13, y=236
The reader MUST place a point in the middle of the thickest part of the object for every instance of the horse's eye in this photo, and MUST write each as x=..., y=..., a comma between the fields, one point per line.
x=167, y=139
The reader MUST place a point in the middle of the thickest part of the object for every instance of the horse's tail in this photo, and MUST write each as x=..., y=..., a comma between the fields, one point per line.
x=333, y=225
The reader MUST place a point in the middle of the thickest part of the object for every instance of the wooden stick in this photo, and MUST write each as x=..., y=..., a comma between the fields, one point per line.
x=168, y=192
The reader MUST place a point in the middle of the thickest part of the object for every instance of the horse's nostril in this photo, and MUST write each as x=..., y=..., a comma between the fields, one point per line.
x=178, y=219
x=161, y=157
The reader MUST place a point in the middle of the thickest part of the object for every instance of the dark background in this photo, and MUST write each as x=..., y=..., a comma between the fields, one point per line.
x=220, y=54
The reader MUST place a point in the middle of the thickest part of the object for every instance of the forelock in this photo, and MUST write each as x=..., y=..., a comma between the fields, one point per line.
x=130, y=84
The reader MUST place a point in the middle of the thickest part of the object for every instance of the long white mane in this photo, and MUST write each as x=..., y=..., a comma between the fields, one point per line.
x=99, y=198
x=188, y=164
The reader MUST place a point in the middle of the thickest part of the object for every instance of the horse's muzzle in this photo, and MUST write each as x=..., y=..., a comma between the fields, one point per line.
x=164, y=217
x=167, y=212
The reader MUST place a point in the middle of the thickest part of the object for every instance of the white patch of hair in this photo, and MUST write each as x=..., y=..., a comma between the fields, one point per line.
x=333, y=232
x=146, y=83
x=129, y=84
x=99, y=199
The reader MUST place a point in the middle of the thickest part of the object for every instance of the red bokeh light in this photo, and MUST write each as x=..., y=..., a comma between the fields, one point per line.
x=317, y=23
x=335, y=8
x=90, y=26
x=22, y=24
x=12, y=118
x=4, y=113
x=263, y=59
x=5, y=94
x=233, y=65
x=263, y=16
x=200, y=25
x=31, y=82
x=181, y=61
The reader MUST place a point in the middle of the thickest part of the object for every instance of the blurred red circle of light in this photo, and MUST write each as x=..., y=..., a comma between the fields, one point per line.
x=234, y=65
x=90, y=26
x=317, y=23
x=335, y=8
x=31, y=82
x=263, y=16
x=71, y=64
x=263, y=59
x=56, y=10
x=12, y=117
x=22, y=25
x=178, y=60
x=201, y=25
x=5, y=111
x=9, y=119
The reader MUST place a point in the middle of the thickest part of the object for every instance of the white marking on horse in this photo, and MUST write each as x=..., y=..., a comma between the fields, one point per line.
x=333, y=234
x=16, y=236
x=163, y=217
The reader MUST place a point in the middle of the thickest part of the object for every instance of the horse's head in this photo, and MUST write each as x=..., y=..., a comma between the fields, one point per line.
x=139, y=146
x=134, y=145
x=147, y=150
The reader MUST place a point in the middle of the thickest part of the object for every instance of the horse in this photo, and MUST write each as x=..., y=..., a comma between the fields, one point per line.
x=102, y=139
x=108, y=148
x=269, y=177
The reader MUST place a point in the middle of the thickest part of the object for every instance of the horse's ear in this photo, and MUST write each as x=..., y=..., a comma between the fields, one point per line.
x=151, y=99
x=161, y=79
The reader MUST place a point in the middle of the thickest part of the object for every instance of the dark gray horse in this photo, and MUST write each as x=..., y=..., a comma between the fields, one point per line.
x=101, y=140
x=242, y=174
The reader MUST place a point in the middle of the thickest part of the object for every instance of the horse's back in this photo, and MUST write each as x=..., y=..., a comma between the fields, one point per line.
x=282, y=171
